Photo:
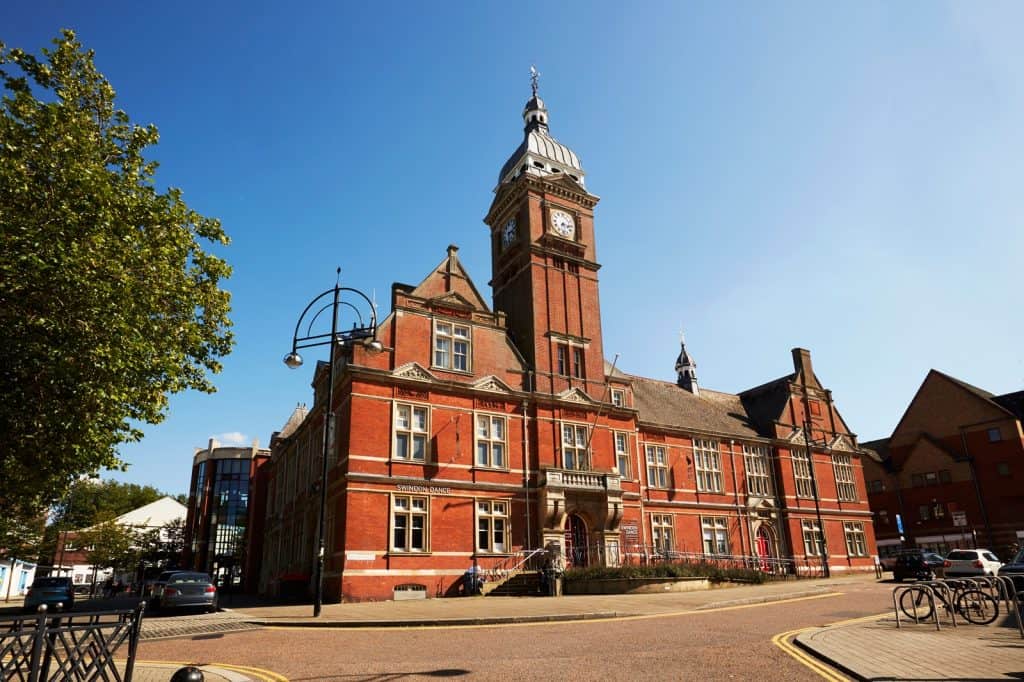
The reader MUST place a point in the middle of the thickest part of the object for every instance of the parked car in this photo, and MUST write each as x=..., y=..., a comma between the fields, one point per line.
x=57, y=593
x=189, y=590
x=1015, y=569
x=960, y=562
x=917, y=565
x=155, y=588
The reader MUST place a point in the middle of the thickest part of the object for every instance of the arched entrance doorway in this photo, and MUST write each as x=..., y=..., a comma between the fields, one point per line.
x=575, y=541
x=766, y=548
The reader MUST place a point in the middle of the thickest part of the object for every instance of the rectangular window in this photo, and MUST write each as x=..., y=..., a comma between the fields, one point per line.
x=939, y=510
x=409, y=523
x=491, y=526
x=802, y=474
x=618, y=397
x=1003, y=468
x=657, y=467
x=815, y=407
x=715, y=532
x=490, y=441
x=842, y=466
x=924, y=511
x=883, y=517
x=812, y=537
x=708, y=463
x=563, y=359
x=574, y=447
x=944, y=476
x=994, y=435
x=661, y=533
x=451, y=346
x=411, y=432
x=622, y=453
x=759, y=482
x=577, y=363
x=875, y=486
x=917, y=480
x=855, y=543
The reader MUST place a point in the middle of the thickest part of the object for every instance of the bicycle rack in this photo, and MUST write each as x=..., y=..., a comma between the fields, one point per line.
x=1008, y=592
x=928, y=592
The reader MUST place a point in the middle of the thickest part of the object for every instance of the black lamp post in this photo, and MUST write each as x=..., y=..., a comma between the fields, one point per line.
x=363, y=331
x=822, y=544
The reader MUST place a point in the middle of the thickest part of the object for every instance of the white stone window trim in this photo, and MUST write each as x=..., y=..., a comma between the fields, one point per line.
x=489, y=440
x=618, y=397
x=409, y=512
x=494, y=512
x=715, y=530
x=856, y=540
x=802, y=478
x=707, y=463
x=448, y=361
x=622, y=455
x=663, y=533
x=810, y=530
x=846, y=481
x=578, y=448
x=656, y=459
x=757, y=462
x=412, y=432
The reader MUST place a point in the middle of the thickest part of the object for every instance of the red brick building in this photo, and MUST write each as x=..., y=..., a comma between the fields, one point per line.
x=951, y=470
x=482, y=434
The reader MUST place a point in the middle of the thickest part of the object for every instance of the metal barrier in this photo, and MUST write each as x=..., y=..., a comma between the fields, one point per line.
x=999, y=588
x=43, y=647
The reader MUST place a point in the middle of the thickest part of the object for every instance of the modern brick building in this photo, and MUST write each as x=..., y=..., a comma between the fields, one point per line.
x=480, y=434
x=223, y=531
x=951, y=471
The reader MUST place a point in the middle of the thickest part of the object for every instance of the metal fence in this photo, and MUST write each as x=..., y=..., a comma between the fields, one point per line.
x=43, y=647
x=634, y=555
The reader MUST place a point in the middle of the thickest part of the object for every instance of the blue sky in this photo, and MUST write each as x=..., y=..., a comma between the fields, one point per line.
x=843, y=177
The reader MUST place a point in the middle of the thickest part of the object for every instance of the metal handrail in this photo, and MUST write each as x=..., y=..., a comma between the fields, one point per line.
x=502, y=573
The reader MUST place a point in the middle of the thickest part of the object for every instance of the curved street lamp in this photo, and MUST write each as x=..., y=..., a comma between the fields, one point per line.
x=363, y=331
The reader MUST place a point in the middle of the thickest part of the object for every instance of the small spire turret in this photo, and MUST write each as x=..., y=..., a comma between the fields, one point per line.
x=686, y=368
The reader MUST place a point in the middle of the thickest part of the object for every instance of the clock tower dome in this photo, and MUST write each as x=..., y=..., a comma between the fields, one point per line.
x=544, y=269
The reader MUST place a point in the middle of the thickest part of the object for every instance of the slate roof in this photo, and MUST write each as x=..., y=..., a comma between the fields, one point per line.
x=1014, y=402
x=767, y=402
x=661, y=403
x=878, y=450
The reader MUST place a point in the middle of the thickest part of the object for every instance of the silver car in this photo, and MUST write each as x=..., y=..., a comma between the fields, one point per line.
x=185, y=589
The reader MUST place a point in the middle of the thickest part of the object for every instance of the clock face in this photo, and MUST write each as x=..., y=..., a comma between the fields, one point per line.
x=563, y=224
x=508, y=233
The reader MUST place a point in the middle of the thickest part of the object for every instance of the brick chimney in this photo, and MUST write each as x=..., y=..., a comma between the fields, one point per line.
x=802, y=364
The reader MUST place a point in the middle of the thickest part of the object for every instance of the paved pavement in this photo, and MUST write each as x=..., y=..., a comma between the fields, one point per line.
x=869, y=649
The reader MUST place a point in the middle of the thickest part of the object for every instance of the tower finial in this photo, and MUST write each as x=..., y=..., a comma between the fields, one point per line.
x=686, y=368
x=534, y=77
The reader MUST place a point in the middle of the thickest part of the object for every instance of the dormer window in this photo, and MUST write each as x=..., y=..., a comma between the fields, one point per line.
x=452, y=346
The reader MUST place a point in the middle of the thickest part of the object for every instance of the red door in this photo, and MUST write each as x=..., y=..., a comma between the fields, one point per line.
x=764, y=548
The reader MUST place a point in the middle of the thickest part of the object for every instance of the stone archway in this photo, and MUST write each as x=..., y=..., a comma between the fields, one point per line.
x=577, y=541
x=766, y=546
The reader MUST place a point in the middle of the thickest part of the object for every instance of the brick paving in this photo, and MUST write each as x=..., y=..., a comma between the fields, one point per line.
x=877, y=650
x=192, y=625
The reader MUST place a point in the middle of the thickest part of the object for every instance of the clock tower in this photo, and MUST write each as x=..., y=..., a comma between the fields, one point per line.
x=544, y=268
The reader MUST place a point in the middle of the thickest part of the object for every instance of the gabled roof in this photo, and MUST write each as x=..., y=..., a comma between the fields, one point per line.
x=155, y=514
x=297, y=417
x=661, y=403
x=449, y=284
x=1011, y=403
x=764, y=404
x=877, y=450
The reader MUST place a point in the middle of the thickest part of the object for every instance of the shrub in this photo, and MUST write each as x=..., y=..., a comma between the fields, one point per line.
x=712, y=572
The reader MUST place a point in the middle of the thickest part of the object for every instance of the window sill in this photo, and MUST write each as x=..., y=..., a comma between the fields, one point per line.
x=481, y=467
x=462, y=372
x=405, y=553
x=491, y=555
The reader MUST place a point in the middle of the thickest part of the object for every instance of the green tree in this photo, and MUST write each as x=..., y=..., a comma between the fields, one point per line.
x=89, y=501
x=111, y=545
x=108, y=302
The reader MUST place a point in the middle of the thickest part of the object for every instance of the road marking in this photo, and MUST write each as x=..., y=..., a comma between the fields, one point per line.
x=783, y=640
x=260, y=673
x=536, y=623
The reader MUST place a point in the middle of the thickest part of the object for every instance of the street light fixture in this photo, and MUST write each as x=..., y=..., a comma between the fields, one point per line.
x=364, y=332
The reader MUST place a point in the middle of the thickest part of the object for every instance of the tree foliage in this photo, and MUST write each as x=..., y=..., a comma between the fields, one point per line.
x=108, y=302
x=111, y=545
x=89, y=502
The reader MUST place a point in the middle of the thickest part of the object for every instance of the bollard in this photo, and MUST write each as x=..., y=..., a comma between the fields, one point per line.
x=188, y=674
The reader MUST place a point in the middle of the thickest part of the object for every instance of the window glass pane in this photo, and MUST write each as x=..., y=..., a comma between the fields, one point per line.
x=481, y=454
x=402, y=446
x=419, y=447
x=499, y=428
x=498, y=453
x=481, y=427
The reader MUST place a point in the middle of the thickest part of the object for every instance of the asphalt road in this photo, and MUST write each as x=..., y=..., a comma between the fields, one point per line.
x=725, y=644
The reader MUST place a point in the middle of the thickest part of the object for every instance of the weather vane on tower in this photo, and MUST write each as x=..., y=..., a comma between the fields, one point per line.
x=534, y=77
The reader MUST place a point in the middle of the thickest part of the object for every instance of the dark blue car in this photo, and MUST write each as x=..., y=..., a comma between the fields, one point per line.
x=57, y=593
